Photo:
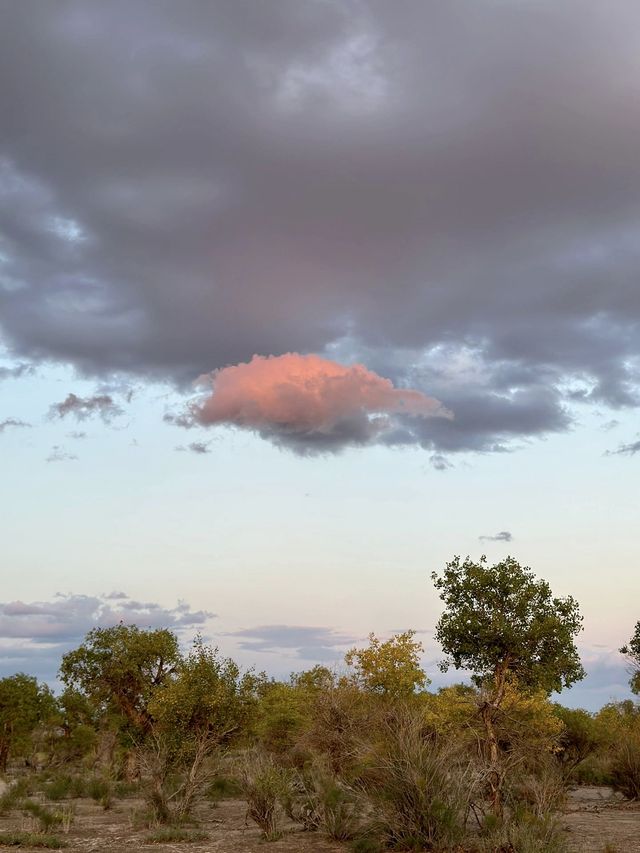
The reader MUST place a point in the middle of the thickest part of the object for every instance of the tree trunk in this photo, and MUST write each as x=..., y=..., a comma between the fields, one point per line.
x=494, y=774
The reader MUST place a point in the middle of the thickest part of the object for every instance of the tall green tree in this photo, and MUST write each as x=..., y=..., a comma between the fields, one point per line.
x=506, y=627
x=120, y=669
x=24, y=704
x=631, y=650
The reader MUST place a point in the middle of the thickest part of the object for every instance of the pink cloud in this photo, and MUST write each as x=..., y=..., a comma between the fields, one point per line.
x=309, y=402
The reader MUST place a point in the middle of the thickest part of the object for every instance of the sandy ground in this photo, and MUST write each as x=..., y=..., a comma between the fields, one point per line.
x=598, y=820
x=594, y=818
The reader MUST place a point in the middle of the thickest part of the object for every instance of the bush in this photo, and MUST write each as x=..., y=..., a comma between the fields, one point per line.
x=100, y=790
x=321, y=800
x=63, y=787
x=222, y=788
x=46, y=818
x=524, y=833
x=418, y=790
x=169, y=835
x=15, y=793
x=265, y=786
x=625, y=766
x=31, y=839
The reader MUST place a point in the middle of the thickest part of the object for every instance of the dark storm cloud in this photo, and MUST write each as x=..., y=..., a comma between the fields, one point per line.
x=449, y=188
x=308, y=643
x=84, y=407
x=503, y=536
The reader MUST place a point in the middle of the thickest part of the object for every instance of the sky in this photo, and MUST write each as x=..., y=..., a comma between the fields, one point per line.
x=300, y=299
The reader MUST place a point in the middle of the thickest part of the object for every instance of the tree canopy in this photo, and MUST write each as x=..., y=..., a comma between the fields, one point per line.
x=632, y=652
x=500, y=622
x=390, y=668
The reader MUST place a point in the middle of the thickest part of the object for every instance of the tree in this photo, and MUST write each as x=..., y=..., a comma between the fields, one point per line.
x=120, y=669
x=391, y=668
x=507, y=628
x=201, y=709
x=23, y=705
x=632, y=652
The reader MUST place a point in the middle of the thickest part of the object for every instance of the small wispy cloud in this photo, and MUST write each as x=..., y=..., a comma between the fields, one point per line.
x=181, y=420
x=503, y=536
x=440, y=462
x=625, y=449
x=12, y=422
x=59, y=454
x=198, y=447
x=82, y=408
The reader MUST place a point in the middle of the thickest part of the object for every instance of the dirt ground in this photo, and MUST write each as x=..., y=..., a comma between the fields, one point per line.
x=594, y=818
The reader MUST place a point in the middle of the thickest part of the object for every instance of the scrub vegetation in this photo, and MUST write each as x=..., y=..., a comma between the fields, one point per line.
x=365, y=757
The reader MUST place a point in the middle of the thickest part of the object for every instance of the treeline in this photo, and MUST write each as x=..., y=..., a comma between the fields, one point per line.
x=367, y=755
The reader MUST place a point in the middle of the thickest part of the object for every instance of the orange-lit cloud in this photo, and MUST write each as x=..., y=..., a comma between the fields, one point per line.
x=308, y=402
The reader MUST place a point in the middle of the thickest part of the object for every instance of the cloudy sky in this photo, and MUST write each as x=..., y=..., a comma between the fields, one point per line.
x=298, y=300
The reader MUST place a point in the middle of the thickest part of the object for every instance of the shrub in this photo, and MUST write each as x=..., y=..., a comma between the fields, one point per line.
x=625, y=766
x=46, y=818
x=12, y=796
x=100, y=790
x=31, y=839
x=321, y=800
x=419, y=793
x=265, y=786
x=167, y=835
x=524, y=833
x=222, y=788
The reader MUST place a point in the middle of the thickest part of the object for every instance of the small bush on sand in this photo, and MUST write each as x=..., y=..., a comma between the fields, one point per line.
x=625, y=765
x=418, y=791
x=46, y=818
x=31, y=839
x=222, y=788
x=169, y=835
x=523, y=833
x=320, y=800
x=265, y=786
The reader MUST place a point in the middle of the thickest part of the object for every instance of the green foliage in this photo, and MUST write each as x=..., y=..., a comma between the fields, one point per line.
x=122, y=668
x=524, y=833
x=169, y=835
x=101, y=791
x=625, y=765
x=265, y=786
x=24, y=704
x=222, y=788
x=31, y=839
x=282, y=715
x=390, y=668
x=20, y=789
x=631, y=650
x=319, y=799
x=501, y=619
x=47, y=818
x=580, y=737
x=207, y=695
x=418, y=788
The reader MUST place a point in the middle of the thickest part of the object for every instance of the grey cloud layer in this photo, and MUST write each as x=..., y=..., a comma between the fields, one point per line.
x=447, y=192
x=307, y=643
x=69, y=617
